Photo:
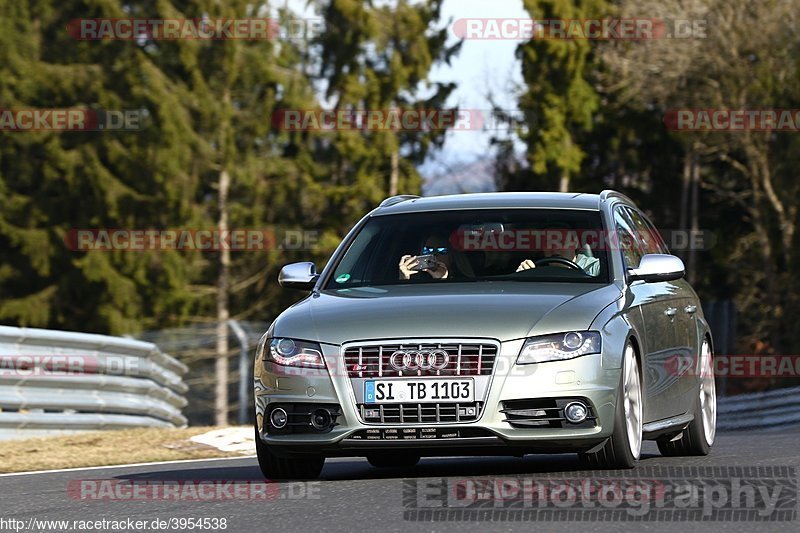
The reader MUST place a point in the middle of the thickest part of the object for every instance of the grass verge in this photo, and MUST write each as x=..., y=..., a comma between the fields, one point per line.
x=103, y=448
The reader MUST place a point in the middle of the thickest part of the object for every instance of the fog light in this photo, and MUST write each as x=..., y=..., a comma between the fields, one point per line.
x=321, y=419
x=278, y=418
x=576, y=412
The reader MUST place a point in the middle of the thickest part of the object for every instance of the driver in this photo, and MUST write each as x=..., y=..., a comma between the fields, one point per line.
x=569, y=249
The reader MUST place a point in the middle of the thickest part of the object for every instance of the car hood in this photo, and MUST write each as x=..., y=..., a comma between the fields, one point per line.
x=497, y=310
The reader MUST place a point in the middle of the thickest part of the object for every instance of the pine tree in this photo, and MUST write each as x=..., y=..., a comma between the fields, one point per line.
x=558, y=97
x=54, y=182
x=379, y=58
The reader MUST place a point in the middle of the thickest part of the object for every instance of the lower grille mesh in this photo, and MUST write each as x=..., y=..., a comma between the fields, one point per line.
x=420, y=413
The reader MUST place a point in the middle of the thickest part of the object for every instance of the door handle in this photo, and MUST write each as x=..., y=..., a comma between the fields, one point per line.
x=671, y=311
x=691, y=309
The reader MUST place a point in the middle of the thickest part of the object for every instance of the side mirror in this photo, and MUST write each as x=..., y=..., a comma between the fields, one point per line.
x=657, y=267
x=298, y=276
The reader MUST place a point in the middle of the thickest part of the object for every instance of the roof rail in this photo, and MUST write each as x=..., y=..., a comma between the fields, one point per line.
x=392, y=200
x=609, y=193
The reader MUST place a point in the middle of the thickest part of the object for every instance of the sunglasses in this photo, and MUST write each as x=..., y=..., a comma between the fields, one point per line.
x=440, y=250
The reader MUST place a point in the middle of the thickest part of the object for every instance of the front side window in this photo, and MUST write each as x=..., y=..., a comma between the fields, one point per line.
x=630, y=246
x=648, y=236
x=459, y=246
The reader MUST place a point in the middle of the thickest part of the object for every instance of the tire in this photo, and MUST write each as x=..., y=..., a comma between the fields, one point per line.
x=393, y=461
x=623, y=448
x=698, y=437
x=275, y=467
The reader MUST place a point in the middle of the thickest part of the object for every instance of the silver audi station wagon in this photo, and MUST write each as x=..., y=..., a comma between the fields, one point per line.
x=486, y=324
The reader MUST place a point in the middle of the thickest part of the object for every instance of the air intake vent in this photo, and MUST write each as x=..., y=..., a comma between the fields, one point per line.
x=545, y=413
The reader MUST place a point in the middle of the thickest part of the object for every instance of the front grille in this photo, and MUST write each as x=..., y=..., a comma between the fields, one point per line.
x=420, y=413
x=374, y=361
x=544, y=412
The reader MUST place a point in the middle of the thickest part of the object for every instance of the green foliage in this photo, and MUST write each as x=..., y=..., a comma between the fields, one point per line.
x=597, y=117
x=209, y=107
x=558, y=96
x=378, y=58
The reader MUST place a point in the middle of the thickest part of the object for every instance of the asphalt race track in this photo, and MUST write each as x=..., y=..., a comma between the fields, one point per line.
x=353, y=496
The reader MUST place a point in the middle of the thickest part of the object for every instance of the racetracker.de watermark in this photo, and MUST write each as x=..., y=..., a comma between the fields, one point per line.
x=68, y=365
x=124, y=490
x=204, y=29
x=402, y=119
x=503, y=239
x=747, y=366
x=733, y=120
x=190, y=239
x=724, y=493
x=564, y=29
x=68, y=119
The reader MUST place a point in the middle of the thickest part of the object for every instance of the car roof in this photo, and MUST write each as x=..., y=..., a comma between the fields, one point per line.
x=494, y=200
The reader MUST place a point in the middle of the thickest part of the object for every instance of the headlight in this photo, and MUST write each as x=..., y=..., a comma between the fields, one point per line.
x=290, y=352
x=559, y=347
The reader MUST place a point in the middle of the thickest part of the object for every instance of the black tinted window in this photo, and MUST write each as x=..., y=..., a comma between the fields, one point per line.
x=476, y=245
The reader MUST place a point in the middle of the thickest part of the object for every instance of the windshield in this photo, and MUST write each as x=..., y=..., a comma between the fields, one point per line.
x=525, y=245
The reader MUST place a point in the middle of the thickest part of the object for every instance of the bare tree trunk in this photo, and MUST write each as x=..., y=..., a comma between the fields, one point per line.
x=686, y=180
x=694, y=216
x=394, y=177
x=771, y=296
x=786, y=217
x=223, y=312
x=563, y=184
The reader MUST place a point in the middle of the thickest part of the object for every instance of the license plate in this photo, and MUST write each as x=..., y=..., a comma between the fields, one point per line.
x=419, y=391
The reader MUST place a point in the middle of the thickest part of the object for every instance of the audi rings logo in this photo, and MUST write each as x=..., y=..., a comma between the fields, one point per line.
x=419, y=359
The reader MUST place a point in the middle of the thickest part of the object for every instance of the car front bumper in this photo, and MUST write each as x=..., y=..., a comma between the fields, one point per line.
x=584, y=377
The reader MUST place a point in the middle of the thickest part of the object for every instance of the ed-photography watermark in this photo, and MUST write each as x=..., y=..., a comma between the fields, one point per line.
x=190, y=239
x=725, y=493
x=70, y=119
x=604, y=29
x=203, y=28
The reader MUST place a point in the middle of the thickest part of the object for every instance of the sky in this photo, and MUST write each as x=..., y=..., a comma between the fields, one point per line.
x=482, y=67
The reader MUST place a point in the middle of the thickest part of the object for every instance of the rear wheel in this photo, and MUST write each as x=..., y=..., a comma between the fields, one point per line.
x=393, y=461
x=699, y=435
x=623, y=448
x=275, y=467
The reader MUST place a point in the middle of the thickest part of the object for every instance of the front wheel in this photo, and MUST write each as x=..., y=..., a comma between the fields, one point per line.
x=275, y=467
x=623, y=448
x=699, y=435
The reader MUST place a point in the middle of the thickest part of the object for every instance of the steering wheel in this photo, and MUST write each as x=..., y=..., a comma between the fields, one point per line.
x=559, y=260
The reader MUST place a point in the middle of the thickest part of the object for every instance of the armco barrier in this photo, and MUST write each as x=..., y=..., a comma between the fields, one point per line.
x=777, y=409
x=59, y=381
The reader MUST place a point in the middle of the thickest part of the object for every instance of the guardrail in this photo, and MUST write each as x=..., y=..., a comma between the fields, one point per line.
x=770, y=410
x=59, y=381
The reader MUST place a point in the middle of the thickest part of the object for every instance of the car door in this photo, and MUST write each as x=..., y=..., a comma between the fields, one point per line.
x=658, y=303
x=685, y=349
